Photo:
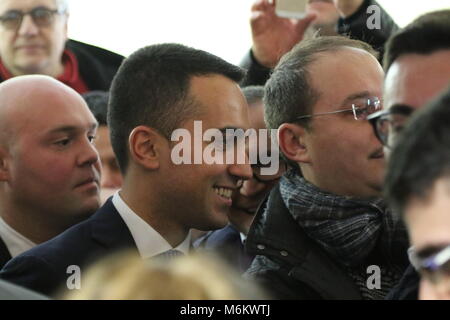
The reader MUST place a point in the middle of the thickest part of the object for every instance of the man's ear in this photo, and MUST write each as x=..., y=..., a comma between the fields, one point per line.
x=292, y=141
x=145, y=146
x=4, y=165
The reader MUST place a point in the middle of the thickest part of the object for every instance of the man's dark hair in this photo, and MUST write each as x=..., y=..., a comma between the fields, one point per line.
x=426, y=34
x=289, y=92
x=421, y=155
x=151, y=88
x=253, y=94
x=97, y=102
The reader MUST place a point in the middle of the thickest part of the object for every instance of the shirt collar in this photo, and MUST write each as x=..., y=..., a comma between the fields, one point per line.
x=148, y=241
x=14, y=241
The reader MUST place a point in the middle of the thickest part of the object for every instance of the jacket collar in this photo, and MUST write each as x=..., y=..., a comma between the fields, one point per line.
x=275, y=234
x=109, y=229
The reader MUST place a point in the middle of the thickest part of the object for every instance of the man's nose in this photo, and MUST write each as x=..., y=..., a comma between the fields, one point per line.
x=251, y=187
x=88, y=154
x=242, y=171
x=27, y=27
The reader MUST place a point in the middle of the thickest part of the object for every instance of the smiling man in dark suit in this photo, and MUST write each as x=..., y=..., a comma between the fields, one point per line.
x=157, y=90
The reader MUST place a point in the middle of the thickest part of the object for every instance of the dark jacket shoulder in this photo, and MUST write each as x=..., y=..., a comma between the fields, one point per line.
x=44, y=268
x=290, y=264
x=97, y=66
x=408, y=287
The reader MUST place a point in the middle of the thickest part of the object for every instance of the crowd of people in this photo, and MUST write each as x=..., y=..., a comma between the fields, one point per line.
x=99, y=198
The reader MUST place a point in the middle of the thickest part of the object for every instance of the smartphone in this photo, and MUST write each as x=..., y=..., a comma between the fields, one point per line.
x=294, y=9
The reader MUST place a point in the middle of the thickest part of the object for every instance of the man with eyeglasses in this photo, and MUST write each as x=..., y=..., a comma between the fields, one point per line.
x=417, y=70
x=33, y=40
x=418, y=188
x=229, y=241
x=324, y=225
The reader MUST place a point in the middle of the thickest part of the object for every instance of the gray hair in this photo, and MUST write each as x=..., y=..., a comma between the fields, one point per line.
x=253, y=94
x=63, y=5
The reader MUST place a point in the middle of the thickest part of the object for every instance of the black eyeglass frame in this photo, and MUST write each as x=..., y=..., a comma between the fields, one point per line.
x=378, y=116
x=433, y=264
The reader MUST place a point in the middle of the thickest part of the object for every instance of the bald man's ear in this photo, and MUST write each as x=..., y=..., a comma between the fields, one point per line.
x=292, y=141
x=146, y=146
x=4, y=165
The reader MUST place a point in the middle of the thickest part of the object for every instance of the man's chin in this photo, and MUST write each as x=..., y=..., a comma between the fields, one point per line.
x=31, y=65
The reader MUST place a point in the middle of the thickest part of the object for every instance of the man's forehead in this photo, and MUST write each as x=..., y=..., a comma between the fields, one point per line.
x=25, y=4
x=219, y=101
x=415, y=79
x=346, y=72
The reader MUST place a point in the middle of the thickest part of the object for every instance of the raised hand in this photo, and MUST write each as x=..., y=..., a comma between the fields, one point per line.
x=274, y=36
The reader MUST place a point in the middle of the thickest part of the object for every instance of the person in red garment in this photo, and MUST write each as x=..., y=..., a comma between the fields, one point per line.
x=33, y=40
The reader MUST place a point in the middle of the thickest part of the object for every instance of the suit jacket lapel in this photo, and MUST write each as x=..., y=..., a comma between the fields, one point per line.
x=109, y=229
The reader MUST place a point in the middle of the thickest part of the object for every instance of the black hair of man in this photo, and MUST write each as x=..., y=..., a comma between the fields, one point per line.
x=97, y=102
x=152, y=88
x=426, y=34
x=253, y=94
x=421, y=155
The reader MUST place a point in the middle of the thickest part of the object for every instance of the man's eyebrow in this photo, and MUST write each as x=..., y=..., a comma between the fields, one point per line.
x=431, y=250
x=71, y=129
x=400, y=107
x=354, y=96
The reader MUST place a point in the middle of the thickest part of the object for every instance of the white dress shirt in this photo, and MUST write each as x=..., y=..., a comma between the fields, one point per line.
x=14, y=241
x=148, y=241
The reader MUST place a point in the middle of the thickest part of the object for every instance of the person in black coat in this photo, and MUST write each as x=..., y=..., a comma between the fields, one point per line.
x=417, y=70
x=37, y=43
x=274, y=36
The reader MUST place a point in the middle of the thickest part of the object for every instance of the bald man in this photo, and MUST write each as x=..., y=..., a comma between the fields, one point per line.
x=49, y=168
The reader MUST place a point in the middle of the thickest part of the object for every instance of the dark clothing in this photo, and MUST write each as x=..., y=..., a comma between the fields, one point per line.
x=288, y=263
x=97, y=66
x=408, y=288
x=5, y=256
x=310, y=244
x=227, y=243
x=9, y=291
x=355, y=26
x=44, y=267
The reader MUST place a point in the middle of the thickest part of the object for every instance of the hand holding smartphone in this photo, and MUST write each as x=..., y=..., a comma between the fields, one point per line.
x=294, y=9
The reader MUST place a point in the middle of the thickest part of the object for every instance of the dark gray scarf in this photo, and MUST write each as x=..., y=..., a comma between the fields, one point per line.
x=349, y=229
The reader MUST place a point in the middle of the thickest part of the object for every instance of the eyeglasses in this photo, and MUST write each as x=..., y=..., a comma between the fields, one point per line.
x=42, y=17
x=360, y=110
x=435, y=268
x=387, y=124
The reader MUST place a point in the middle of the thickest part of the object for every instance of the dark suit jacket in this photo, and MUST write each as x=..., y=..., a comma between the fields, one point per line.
x=5, y=256
x=227, y=244
x=44, y=268
x=9, y=291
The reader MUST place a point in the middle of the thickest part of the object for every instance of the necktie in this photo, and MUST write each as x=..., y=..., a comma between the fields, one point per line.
x=170, y=254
